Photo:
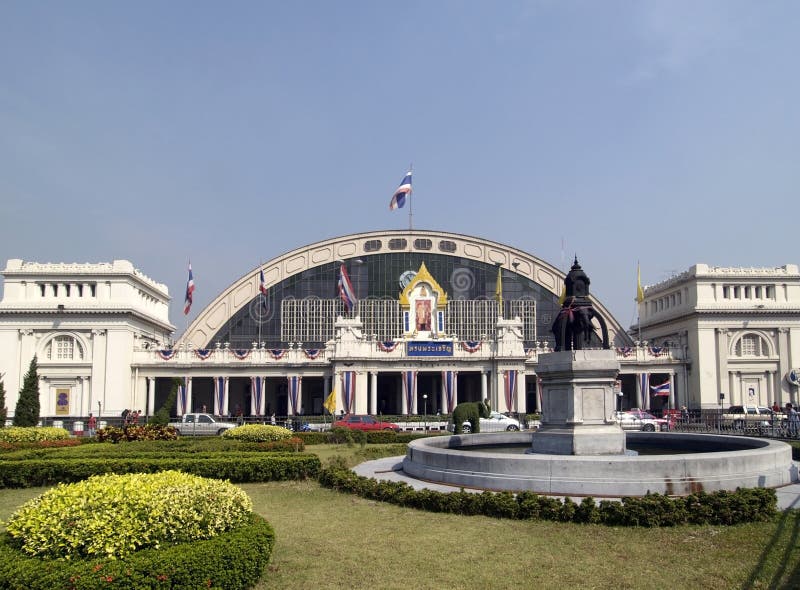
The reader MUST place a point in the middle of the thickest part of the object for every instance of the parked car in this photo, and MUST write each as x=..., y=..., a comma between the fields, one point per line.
x=496, y=422
x=364, y=422
x=641, y=420
x=201, y=425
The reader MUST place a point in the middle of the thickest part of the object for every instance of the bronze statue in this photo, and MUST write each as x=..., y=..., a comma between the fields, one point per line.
x=574, y=328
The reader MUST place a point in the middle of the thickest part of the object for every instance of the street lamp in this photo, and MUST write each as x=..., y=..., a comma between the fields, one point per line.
x=425, y=403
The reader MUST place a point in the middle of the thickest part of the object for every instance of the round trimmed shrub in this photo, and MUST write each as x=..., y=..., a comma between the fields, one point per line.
x=113, y=516
x=233, y=560
x=258, y=433
x=14, y=434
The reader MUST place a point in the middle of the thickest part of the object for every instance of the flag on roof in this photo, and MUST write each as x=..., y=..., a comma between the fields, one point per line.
x=262, y=283
x=662, y=389
x=399, y=196
x=187, y=302
x=346, y=291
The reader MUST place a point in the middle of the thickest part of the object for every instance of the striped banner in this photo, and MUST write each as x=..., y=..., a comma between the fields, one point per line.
x=203, y=353
x=257, y=396
x=184, y=396
x=409, y=389
x=348, y=390
x=167, y=353
x=241, y=353
x=450, y=387
x=295, y=385
x=644, y=382
x=510, y=384
x=471, y=345
x=387, y=346
x=220, y=396
x=312, y=353
x=277, y=353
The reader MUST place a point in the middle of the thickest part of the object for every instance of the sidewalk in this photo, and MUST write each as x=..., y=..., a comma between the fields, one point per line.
x=391, y=469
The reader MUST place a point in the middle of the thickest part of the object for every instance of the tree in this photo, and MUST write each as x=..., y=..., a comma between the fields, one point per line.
x=162, y=415
x=3, y=408
x=27, y=411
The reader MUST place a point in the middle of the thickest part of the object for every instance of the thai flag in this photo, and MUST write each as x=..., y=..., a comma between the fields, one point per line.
x=262, y=283
x=346, y=291
x=399, y=196
x=662, y=389
x=187, y=302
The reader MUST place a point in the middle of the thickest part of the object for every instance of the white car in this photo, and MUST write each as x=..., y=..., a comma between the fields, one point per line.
x=496, y=422
x=201, y=425
x=639, y=420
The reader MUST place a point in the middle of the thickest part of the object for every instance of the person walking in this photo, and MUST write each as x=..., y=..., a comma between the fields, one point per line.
x=92, y=424
x=793, y=419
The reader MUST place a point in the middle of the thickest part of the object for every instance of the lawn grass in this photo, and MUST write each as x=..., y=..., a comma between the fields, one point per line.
x=326, y=539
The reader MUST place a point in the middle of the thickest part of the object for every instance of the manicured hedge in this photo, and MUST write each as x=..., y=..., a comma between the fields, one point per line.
x=16, y=434
x=340, y=436
x=233, y=560
x=718, y=508
x=136, y=432
x=239, y=468
x=258, y=433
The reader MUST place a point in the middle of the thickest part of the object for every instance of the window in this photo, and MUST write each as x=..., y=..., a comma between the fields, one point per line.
x=758, y=292
x=747, y=292
x=64, y=348
x=751, y=345
x=372, y=245
x=422, y=244
x=41, y=289
x=737, y=292
x=447, y=246
x=397, y=244
x=726, y=292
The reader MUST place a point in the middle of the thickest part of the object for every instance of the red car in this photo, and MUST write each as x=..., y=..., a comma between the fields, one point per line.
x=358, y=422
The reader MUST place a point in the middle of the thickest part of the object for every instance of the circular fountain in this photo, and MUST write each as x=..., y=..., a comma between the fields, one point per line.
x=580, y=449
x=681, y=464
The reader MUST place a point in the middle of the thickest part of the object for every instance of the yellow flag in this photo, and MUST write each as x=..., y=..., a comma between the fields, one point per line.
x=498, y=290
x=639, y=290
x=563, y=297
x=330, y=402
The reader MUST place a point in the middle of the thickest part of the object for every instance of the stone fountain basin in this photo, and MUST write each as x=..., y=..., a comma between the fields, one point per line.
x=703, y=462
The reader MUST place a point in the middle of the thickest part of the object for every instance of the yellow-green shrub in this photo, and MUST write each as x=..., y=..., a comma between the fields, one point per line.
x=114, y=515
x=258, y=433
x=15, y=434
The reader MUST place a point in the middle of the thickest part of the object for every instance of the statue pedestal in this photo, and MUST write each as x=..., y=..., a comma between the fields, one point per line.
x=578, y=404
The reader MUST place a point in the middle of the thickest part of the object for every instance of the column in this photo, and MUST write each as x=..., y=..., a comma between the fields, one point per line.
x=373, y=392
x=484, y=392
x=151, y=396
x=639, y=390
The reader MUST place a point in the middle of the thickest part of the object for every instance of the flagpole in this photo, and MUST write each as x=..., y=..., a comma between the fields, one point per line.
x=260, y=301
x=410, y=202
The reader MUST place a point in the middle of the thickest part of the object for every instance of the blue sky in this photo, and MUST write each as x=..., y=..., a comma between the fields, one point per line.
x=232, y=132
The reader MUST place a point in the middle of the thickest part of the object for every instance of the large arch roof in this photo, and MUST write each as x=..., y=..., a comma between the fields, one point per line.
x=242, y=291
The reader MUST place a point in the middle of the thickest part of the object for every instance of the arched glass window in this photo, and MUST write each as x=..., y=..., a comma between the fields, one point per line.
x=751, y=345
x=64, y=348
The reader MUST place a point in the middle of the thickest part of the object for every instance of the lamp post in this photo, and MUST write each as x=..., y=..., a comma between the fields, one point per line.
x=425, y=403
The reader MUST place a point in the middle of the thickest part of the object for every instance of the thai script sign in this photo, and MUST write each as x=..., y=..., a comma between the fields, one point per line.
x=429, y=348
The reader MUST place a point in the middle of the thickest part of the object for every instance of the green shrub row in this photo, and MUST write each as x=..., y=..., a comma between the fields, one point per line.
x=16, y=434
x=258, y=433
x=236, y=468
x=137, y=432
x=718, y=508
x=135, y=451
x=233, y=560
x=348, y=435
x=7, y=447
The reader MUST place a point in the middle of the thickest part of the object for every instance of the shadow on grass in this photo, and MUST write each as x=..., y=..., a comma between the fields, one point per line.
x=785, y=535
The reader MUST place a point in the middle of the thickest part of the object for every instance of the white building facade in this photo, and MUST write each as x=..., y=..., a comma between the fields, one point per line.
x=437, y=318
x=83, y=323
x=739, y=328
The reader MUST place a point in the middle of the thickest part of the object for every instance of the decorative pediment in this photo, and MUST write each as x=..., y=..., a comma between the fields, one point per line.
x=423, y=284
